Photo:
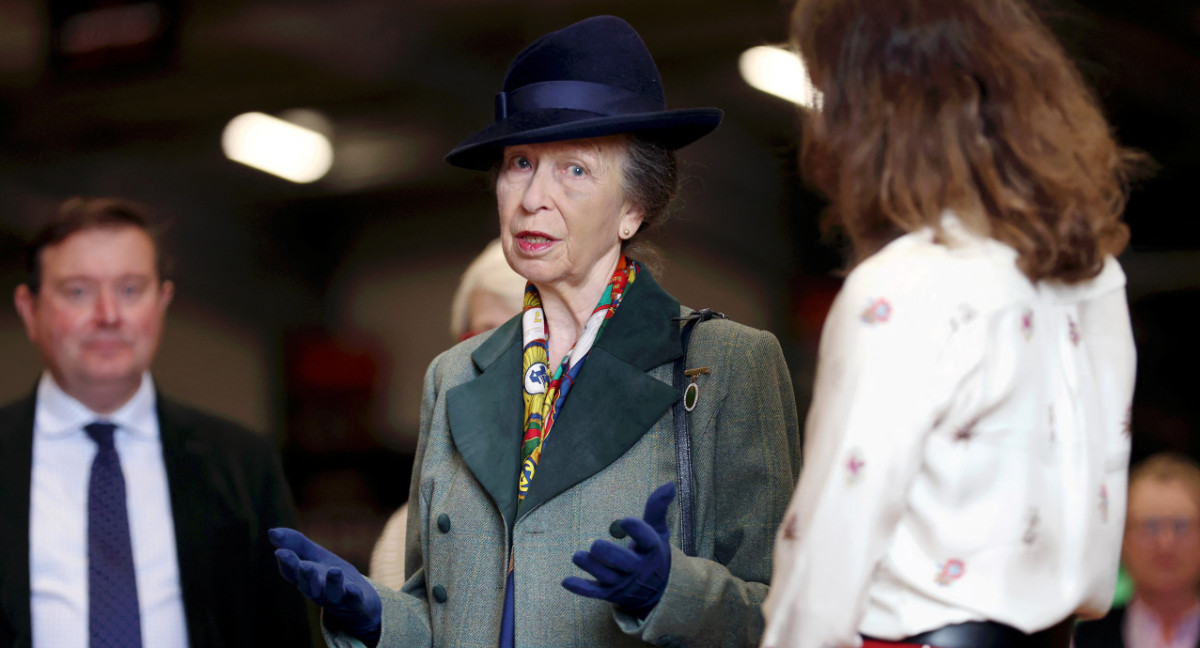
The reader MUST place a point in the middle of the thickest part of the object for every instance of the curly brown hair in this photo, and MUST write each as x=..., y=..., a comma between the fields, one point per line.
x=968, y=105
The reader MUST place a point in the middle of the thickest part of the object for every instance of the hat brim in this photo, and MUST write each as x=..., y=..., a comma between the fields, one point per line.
x=672, y=128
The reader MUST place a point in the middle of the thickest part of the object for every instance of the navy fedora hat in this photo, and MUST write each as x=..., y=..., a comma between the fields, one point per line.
x=590, y=79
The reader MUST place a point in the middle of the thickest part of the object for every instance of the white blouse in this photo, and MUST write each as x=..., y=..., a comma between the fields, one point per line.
x=966, y=450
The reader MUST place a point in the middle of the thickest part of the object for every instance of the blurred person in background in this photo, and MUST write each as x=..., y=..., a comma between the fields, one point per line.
x=488, y=295
x=585, y=388
x=128, y=519
x=1161, y=553
x=967, y=446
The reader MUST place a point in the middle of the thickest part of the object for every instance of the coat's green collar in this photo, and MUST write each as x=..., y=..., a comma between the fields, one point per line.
x=638, y=333
x=613, y=403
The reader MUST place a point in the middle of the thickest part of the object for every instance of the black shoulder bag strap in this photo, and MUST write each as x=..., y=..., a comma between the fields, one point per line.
x=683, y=436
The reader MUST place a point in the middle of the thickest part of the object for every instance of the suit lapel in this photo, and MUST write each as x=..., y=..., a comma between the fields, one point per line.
x=485, y=416
x=186, y=456
x=615, y=400
x=16, y=469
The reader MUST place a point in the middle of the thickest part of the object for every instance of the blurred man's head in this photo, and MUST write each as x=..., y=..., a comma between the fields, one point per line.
x=1162, y=536
x=94, y=299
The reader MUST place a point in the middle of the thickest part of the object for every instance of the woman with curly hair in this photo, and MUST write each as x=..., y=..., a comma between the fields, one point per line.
x=967, y=447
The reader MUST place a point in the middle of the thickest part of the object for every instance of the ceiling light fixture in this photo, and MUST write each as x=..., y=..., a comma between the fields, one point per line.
x=278, y=147
x=777, y=71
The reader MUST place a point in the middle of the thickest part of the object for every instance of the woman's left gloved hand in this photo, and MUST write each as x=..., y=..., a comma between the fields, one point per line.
x=632, y=577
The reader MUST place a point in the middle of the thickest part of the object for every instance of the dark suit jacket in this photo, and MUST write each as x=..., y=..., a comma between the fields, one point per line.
x=227, y=489
x=1103, y=633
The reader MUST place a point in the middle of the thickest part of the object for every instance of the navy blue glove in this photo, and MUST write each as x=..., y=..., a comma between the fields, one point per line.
x=632, y=577
x=330, y=582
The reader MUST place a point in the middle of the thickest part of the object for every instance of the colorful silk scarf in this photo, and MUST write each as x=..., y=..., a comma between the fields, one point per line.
x=544, y=394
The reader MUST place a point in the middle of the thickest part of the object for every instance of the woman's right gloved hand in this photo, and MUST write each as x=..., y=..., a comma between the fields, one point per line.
x=331, y=583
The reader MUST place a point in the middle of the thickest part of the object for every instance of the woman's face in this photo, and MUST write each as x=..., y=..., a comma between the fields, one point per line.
x=563, y=211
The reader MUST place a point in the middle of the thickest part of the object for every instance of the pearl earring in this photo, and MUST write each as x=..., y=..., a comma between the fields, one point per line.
x=626, y=231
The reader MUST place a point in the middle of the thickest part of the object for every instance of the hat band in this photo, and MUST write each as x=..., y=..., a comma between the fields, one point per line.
x=574, y=95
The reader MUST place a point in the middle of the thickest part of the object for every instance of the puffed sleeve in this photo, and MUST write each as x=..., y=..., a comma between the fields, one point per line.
x=885, y=372
x=1106, y=326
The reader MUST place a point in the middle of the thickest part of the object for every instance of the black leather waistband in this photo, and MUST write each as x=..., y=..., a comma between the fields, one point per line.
x=989, y=634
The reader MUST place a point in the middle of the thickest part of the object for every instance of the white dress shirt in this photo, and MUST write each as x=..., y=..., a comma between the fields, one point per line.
x=966, y=449
x=58, y=560
x=1144, y=629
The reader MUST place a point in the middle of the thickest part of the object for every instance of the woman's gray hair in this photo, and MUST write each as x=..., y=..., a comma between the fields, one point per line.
x=650, y=178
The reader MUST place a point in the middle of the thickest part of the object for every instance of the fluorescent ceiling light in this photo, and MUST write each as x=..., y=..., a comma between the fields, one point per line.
x=777, y=71
x=278, y=147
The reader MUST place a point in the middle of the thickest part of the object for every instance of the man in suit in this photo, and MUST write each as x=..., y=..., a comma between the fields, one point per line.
x=126, y=517
x=1162, y=555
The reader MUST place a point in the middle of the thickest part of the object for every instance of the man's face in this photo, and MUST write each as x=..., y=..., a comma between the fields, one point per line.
x=98, y=316
x=1162, y=538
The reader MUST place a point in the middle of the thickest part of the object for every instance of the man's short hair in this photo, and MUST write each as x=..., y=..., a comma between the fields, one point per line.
x=1167, y=467
x=78, y=214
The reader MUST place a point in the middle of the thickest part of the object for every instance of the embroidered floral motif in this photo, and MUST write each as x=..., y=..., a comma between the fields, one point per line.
x=1027, y=324
x=854, y=466
x=965, y=433
x=791, y=529
x=1053, y=436
x=1103, y=503
x=1073, y=330
x=877, y=312
x=963, y=317
x=1031, y=529
x=950, y=571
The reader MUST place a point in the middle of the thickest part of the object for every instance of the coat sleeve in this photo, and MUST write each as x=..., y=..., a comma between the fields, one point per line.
x=714, y=600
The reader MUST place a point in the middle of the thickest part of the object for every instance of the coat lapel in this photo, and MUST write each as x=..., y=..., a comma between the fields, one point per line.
x=615, y=400
x=16, y=469
x=485, y=417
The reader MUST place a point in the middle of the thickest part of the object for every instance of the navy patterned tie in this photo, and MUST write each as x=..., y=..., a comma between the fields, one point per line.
x=113, y=620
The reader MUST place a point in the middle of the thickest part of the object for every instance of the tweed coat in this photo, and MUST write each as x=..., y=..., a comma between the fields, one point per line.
x=611, y=446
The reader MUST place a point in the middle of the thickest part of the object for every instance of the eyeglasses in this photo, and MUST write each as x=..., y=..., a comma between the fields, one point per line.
x=1153, y=527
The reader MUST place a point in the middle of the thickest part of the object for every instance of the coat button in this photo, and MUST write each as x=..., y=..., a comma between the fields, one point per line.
x=444, y=523
x=616, y=531
x=439, y=594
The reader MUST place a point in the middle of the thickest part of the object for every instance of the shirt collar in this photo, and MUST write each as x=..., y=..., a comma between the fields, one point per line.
x=1147, y=620
x=59, y=414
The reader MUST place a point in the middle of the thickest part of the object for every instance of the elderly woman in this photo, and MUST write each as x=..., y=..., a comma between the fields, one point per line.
x=563, y=435
x=969, y=434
